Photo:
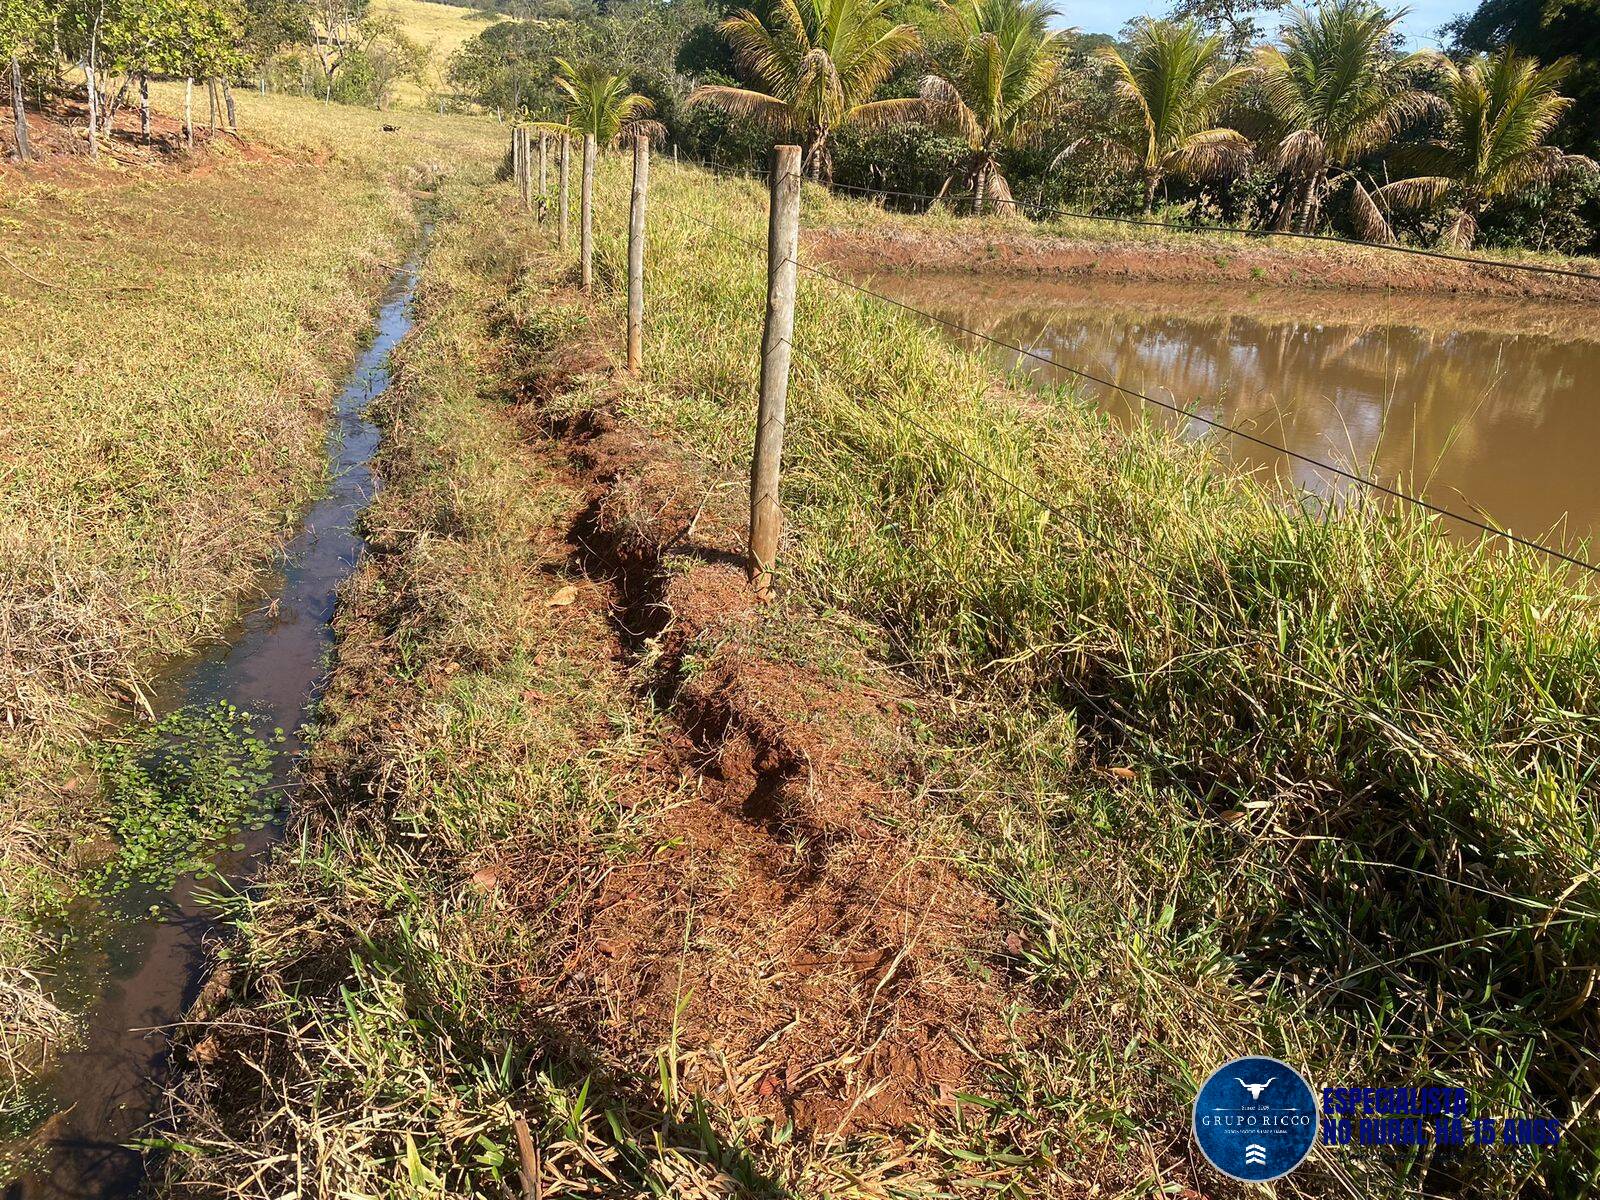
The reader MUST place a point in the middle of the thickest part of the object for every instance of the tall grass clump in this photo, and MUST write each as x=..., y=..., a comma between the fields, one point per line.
x=1372, y=742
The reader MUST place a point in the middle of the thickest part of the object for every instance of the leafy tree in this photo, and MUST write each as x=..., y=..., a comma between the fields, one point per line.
x=599, y=102
x=997, y=63
x=1499, y=110
x=24, y=27
x=819, y=62
x=1172, y=87
x=1335, y=93
x=508, y=67
x=1239, y=21
x=1547, y=30
x=270, y=26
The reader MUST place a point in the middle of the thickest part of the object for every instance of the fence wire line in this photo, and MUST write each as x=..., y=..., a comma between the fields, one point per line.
x=1360, y=706
x=1038, y=210
x=1188, y=413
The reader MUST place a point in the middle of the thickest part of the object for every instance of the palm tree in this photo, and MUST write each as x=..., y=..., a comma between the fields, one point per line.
x=819, y=61
x=1334, y=94
x=993, y=85
x=1498, y=111
x=599, y=102
x=1172, y=89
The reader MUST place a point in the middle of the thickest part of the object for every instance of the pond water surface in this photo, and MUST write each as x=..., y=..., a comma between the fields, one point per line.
x=1489, y=407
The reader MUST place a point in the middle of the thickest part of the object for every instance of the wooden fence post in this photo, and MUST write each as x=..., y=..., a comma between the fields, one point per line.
x=586, y=216
x=641, y=184
x=527, y=169
x=566, y=158
x=516, y=158
x=777, y=347
x=544, y=173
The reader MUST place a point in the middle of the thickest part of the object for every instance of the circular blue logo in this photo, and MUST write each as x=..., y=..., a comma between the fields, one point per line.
x=1255, y=1119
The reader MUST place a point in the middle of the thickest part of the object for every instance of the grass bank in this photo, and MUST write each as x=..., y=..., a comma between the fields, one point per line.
x=1198, y=775
x=171, y=336
x=868, y=237
x=1359, y=789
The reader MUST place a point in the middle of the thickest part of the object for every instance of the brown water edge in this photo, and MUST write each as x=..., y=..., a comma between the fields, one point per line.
x=134, y=975
x=1488, y=406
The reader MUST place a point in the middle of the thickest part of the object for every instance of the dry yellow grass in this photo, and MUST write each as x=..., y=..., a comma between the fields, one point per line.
x=443, y=28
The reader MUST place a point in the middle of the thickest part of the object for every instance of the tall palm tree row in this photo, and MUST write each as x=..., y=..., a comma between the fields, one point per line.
x=817, y=64
x=1333, y=112
x=1499, y=109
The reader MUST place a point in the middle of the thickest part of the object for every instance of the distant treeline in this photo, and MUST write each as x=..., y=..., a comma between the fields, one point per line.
x=1326, y=125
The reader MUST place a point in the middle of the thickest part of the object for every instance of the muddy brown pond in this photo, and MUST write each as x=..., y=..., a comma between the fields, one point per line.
x=139, y=948
x=1487, y=406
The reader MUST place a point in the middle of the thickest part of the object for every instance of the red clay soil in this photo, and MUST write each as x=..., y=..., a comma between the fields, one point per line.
x=1002, y=252
x=58, y=140
x=824, y=948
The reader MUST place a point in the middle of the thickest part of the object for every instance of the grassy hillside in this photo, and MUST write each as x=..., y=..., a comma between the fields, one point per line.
x=171, y=334
x=440, y=27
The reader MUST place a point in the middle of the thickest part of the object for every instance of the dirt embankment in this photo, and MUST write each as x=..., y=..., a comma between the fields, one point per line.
x=804, y=933
x=1002, y=253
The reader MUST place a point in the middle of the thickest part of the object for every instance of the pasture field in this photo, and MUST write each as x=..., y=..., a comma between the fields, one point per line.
x=1069, y=764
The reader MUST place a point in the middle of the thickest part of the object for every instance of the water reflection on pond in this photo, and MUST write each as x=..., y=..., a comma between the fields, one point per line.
x=1486, y=406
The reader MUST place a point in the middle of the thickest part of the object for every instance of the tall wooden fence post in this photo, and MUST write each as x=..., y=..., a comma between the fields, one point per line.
x=566, y=160
x=586, y=215
x=777, y=347
x=527, y=169
x=641, y=184
x=544, y=173
x=516, y=158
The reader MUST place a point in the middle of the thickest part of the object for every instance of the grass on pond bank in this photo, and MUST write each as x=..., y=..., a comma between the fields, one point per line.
x=1318, y=787
x=1363, y=751
x=171, y=337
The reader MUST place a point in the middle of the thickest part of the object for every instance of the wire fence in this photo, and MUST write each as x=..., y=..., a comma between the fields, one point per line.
x=1188, y=412
x=1405, y=724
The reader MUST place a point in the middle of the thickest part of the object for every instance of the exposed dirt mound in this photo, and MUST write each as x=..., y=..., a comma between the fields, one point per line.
x=792, y=919
x=1004, y=252
x=58, y=139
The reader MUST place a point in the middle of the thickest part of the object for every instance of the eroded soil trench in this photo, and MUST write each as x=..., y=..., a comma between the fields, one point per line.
x=803, y=909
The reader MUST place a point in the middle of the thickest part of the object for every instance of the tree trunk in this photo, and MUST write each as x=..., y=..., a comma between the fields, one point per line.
x=233, y=113
x=108, y=119
x=188, y=113
x=144, y=106
x=1152, y=181
x=18, y=112
x=94, y=104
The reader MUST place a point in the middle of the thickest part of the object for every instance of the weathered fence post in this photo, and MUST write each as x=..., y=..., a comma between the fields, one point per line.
x=777, y=346
x=544, y=173
x=527, y=169
x=566, y=157
x=586, y=216
x=516, y=158
x=641, y=184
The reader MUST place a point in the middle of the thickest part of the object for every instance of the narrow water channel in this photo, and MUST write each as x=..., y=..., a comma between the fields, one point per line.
x=1488, y=406
x=143, y=969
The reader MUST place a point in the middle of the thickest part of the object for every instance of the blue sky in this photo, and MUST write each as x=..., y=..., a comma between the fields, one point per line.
x=1107, y=16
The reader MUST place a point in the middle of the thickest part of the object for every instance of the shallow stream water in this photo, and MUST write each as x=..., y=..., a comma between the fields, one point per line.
x=142, y=966
x=1488, y=406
